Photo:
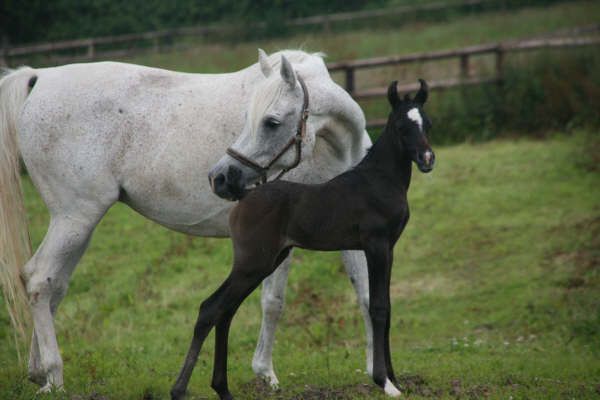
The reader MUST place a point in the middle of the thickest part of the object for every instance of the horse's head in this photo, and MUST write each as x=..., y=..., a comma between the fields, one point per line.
x=273, y=135
x=409, y=121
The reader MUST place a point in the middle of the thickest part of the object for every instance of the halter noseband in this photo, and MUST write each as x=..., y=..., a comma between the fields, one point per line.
x=295, y=140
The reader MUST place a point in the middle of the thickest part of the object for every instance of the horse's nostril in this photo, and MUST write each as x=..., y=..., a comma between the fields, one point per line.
x=218, y=182
x=233, y=174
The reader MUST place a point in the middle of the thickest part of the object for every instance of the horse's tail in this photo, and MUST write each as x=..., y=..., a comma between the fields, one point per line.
x=15, y=246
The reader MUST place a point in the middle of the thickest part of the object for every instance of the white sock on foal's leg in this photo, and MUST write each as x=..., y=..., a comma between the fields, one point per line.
x=390, y=389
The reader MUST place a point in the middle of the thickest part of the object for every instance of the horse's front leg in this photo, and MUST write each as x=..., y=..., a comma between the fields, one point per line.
x=356, y=268
x=379, y=261
x=272, y=302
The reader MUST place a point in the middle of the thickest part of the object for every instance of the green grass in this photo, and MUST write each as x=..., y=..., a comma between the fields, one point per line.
x=495, y=291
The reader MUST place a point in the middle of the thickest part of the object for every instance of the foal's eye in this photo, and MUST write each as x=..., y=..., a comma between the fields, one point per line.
x=272, y=123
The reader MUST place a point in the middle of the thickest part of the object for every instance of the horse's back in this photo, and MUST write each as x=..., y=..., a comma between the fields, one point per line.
x=113, y=129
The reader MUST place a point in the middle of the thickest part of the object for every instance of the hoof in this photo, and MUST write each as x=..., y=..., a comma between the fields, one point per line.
x=49, y=388
x=37, y=377
x=269, y=377
x=177, y=394
x=391, y=390
x=272, y=381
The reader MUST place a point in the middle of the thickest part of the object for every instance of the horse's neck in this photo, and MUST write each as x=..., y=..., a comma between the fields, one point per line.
x=389, y=159
x=337, y=121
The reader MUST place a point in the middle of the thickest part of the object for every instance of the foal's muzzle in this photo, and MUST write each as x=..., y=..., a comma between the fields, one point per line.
x=425, y=160
x=227, y=183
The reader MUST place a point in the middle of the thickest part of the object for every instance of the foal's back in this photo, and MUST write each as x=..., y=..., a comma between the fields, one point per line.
x=328, y=216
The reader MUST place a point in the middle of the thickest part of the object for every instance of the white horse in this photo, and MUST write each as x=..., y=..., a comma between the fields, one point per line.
x=94, y=134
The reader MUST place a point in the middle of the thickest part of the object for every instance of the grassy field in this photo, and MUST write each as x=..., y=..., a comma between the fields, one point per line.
x=495, y=289
x=496, y=285
x=458, y=31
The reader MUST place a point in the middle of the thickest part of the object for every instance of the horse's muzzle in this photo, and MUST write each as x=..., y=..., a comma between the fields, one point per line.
x=425, y=161
x=227, y=185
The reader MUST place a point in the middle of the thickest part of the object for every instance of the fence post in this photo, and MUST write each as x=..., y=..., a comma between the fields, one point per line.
x=500, y=64
x=90, y=49
x=326, y=25
x=4, y=52
x=349, y=79
x=465, y=68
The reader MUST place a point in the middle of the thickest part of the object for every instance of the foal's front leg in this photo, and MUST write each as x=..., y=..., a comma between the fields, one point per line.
x=379, y=260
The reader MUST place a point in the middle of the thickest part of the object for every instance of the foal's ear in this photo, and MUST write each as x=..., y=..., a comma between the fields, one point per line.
x=263, y=60
x=392, y=94
x=287, y=72
x=421, y=96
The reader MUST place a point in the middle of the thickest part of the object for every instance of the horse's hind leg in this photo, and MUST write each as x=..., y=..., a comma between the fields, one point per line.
x=272, y=302
x=355, y=263
x=47, y=275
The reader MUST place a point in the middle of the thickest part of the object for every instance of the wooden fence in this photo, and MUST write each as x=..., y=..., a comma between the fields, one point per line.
x=90, y=49
x=463, y=56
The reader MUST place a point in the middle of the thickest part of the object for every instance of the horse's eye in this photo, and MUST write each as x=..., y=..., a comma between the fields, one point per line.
x=272, y=123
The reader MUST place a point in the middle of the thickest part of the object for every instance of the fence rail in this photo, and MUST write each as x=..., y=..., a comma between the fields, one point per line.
x=463, y=55
x=91, y=52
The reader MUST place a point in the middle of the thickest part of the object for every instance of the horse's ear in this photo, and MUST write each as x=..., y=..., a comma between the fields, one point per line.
x=421, y=96
x=392, y=94
x=263, y=60
x=287, y=72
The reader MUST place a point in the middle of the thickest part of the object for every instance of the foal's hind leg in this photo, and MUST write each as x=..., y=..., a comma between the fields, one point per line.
x=210, y=309
x=47, y=275
x=217, y=310
x=272, y=302
x=248, y=271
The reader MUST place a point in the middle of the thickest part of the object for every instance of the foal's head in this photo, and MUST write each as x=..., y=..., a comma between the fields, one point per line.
x=410, y=125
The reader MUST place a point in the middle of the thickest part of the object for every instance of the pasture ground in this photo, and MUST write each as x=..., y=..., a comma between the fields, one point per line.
x=495, y=292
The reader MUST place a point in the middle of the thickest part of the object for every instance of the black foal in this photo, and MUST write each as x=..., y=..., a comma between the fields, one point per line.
x=363, y=209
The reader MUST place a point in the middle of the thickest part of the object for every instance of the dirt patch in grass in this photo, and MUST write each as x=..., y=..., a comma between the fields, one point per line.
x=259, y=389
x=409, y=384
x=344, y=393
x=416, y=384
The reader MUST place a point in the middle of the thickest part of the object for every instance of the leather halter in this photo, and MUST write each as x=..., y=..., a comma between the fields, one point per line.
x=295, y=140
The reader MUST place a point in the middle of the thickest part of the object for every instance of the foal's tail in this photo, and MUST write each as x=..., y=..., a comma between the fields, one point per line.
x=15, y=247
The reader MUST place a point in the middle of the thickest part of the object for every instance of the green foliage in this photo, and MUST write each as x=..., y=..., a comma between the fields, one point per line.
x=35, y=20
x=23, y=21
x=494, y=293
x=549, y=92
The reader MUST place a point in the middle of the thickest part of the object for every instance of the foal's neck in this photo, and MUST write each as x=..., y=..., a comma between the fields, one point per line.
x=389, y=158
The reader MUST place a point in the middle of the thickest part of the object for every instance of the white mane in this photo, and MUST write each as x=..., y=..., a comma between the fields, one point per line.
x=306, y=64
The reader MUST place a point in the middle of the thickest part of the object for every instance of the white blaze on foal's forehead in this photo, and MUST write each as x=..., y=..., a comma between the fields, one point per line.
x=415, y=115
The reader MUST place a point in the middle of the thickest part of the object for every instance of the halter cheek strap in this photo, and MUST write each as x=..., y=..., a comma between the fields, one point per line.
x=296, y=141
